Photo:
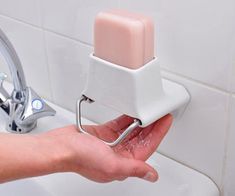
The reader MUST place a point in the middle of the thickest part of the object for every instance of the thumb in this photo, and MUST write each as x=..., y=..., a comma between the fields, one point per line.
x=138, y=168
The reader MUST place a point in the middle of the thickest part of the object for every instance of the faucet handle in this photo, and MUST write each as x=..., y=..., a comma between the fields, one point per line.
x=35, y=107
x=3, y=76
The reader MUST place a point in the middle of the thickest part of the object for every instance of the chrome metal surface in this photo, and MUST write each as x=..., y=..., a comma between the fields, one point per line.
x=4, y=94
x=18, y=106
x=129, y=129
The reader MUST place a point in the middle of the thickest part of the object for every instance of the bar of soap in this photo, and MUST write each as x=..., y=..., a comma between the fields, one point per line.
x=123, y=38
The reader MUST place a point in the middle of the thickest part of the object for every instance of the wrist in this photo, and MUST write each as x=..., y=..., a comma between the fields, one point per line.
x=58, y=148
x=56, y=156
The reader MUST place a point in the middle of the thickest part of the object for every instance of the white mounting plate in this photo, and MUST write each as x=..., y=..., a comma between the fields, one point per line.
x=139, y=93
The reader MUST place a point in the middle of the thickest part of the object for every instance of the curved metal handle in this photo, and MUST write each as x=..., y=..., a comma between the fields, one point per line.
x=13, y=61
x=129, y=129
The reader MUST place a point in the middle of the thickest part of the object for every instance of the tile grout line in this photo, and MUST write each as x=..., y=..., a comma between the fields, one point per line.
x=48, y=66
x=45, y=29
x=68, y=37
x=21, y=21
x=46, y=53
x=196, y=81
x=119, y=4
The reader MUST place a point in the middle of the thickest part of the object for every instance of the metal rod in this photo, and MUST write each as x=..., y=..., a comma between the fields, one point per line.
x=129, y=129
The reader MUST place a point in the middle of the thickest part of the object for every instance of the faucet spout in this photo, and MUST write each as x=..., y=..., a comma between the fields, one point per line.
x=23, y=107
x=13, y=61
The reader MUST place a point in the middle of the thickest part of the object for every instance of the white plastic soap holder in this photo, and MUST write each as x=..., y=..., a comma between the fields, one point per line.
x=139, y=93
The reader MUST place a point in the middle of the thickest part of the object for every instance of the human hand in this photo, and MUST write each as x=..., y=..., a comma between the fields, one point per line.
x=93, y=159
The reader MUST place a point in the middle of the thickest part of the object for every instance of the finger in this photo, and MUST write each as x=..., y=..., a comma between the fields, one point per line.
x=144, y=147
x=102, y=133
x=119, y=123
x=116, y=124
x=137, y=168
x=110, y=131
x=133, y=144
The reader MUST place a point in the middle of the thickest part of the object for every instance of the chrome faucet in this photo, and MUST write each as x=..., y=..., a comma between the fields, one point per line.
x=23, y=106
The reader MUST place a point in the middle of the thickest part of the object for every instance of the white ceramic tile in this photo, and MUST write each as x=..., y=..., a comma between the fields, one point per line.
x=229, y=180
x=193, y=38
x=147, y=6
x=25, y=10
x=73, y=18
x=197, y=139
x=68, y=62
x=29, y=45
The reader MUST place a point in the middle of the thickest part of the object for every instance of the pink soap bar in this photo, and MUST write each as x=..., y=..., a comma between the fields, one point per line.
x=124, y=38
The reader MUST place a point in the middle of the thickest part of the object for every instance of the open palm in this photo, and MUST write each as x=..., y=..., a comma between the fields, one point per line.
x=92, y=158
x=133, y=151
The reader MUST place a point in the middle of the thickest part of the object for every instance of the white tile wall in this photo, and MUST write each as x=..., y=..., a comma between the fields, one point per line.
x=25, y=10
x=67, y=62
x=195, y=41
x=73, y=18
x=193, y=37
x=233, y=78
x=229, y=178
x=232, y=74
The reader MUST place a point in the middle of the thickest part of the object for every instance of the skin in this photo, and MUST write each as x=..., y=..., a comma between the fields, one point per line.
x=67, y=150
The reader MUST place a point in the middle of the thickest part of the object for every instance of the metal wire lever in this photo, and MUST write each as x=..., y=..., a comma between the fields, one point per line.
x=129, y=129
